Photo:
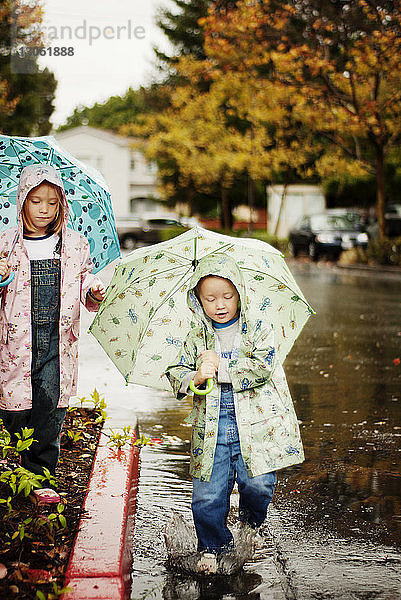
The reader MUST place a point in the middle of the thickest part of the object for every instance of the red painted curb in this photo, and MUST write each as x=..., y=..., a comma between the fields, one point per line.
x=100, y=563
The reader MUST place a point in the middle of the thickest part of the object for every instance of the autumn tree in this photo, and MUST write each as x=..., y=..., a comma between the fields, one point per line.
x=192, y=135
x=182, y=27
x=339, y=64
x=27, y=92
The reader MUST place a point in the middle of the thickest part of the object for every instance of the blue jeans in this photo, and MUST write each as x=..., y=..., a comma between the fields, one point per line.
x=44, y=416
x=211, y=499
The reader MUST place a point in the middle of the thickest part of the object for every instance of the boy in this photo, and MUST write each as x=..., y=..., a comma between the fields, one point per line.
x=246, y=428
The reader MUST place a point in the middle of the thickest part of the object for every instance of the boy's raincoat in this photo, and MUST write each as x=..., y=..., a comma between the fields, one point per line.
x=267, y=423
x=15, y=299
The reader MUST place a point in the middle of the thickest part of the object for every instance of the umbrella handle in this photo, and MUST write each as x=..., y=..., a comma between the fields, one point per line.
x=7, y=281
x=195, y=390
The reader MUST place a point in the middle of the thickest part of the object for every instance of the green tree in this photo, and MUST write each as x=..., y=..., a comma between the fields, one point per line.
x=182, y=30
x=119, y=110
x=28, y=96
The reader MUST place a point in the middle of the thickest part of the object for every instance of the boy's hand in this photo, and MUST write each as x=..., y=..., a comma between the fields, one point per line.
x=98, y=291
x=209, y=356
x=5, y=268
x=206, y=371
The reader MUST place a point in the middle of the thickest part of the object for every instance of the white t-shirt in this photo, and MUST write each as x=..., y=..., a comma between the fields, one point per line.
x=41, y=247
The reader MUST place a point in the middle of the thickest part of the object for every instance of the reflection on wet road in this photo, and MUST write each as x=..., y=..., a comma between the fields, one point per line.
x=337, y=517
x=347, y=389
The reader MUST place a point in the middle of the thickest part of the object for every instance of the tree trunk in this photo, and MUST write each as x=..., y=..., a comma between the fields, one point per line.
x=381, y=191
x=283, y=197
x=226, y=213
x=190, y=193
x=251, y=202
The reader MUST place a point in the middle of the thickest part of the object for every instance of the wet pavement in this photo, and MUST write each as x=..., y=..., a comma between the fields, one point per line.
x=334, y=530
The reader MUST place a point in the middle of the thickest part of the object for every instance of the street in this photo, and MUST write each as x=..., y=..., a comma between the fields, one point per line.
x=334, y=530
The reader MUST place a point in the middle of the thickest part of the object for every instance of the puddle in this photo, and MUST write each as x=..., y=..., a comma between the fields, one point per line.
x=339, y=527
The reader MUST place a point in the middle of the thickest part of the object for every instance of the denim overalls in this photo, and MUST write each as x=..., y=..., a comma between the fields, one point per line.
x=211, y=499
x=44, y=416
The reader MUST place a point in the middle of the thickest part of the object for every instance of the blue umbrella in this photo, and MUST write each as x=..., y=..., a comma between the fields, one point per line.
x=87, y=193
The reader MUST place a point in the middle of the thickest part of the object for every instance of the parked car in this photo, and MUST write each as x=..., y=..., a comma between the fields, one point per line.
x=140, y=231
x=392, y=218
x=328, y=233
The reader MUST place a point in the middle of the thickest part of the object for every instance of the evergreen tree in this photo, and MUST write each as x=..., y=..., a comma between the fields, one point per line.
x=182, y=29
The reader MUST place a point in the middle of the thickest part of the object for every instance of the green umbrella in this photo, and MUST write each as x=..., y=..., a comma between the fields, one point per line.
x=144, y=318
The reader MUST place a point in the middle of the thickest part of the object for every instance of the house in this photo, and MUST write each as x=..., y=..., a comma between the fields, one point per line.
x=131, y=178
x=286, y=211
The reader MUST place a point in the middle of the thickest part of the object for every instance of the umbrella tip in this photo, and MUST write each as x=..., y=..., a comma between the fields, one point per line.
x=195, y=263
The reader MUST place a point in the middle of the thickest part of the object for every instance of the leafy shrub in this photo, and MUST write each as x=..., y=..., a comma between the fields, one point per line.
x=382, y=252
x=168, y=234
x=385, y=252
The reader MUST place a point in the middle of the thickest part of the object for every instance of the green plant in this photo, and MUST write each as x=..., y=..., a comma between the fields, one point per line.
x=119, y=439
x=98, y=403
x=146, y=441
x=57, y=592
x=74, y=436
x=11, y=450
x=21, y=480
x=8, y=502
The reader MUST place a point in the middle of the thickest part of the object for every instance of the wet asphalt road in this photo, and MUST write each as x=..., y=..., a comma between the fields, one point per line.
x=335, y=527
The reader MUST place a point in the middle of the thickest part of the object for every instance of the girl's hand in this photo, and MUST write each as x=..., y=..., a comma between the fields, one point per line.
x=98, y=291
x=206, y=371
x=209, y=356
x=5, y=268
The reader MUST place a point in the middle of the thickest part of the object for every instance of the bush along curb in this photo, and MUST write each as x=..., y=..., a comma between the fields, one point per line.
x=101, y=559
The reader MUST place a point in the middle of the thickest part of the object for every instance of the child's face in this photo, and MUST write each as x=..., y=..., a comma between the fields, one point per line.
x=219, y=298
x=41, y=206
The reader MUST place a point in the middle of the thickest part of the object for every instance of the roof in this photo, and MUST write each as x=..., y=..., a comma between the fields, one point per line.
x=102, y=134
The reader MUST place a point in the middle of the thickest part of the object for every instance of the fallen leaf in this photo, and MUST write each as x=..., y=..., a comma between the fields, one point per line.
x=37, y=575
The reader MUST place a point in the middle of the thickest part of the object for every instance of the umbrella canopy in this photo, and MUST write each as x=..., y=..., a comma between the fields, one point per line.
x=90, y=210
x=144, y=318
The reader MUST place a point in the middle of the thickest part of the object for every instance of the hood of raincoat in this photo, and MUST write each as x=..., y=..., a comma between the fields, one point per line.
x=220, y=265
x=31, y=177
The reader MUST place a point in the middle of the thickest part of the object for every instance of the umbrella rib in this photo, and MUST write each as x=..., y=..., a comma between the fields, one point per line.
x=14, y=143
x=172, y=292
x=276, y=279
x=130, y=282
x=173, y=255
x=219, y=251
x=169, y=270
x=29, y=152
x=228, y=245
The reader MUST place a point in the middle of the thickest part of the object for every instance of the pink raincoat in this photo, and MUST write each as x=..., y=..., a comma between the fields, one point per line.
x=15, y=310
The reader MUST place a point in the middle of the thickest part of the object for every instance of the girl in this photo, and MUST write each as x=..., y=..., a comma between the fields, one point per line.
x=40, y=314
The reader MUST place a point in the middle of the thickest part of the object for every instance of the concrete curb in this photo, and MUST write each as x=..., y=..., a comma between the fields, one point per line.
x=101, y=559
x=372, y=269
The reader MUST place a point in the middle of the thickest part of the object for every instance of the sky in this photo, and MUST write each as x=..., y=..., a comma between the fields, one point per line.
x=110, y=48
